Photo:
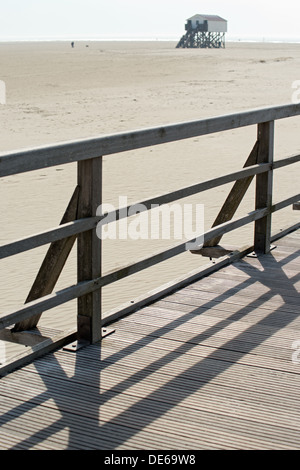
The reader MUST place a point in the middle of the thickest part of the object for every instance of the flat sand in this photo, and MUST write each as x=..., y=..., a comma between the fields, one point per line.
x=57, y=93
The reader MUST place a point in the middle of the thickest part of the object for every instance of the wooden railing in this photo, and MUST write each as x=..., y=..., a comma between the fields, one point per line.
x=80, y=219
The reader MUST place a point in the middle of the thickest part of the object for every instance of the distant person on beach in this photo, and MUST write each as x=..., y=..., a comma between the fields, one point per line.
x=72, y=44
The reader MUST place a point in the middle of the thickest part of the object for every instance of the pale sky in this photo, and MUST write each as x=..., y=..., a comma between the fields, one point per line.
x=155, y=19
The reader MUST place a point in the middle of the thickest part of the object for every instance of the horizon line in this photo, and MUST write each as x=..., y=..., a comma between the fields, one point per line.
x=151, y=38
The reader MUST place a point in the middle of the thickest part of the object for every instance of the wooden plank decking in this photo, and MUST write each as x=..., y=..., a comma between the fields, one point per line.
x=207, y=367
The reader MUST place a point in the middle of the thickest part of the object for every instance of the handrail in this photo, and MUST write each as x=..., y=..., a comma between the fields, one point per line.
x=88, y=223
x=88, y=153
x=43, y=157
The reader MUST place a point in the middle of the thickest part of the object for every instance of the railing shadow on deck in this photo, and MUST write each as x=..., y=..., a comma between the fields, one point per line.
x=85, y=384
x=81, y=218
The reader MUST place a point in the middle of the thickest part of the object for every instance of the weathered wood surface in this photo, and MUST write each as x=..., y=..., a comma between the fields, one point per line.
x=207, y=367
x=44, y=238
x=235, y=197
x=52, y=265
x=264, y=187
x=89, y=250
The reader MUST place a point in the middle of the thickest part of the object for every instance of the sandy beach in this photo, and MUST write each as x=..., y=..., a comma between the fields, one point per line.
x=57, y=93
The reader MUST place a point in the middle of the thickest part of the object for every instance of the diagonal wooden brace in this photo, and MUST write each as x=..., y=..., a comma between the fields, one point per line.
x=231, y=204
x=52, y=265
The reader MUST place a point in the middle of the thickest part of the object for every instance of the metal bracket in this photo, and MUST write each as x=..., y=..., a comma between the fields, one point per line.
x=76, y=345
x=107, y=331
x=255, y=254
x=79, y=344
x=212, y=251
x=296, y=206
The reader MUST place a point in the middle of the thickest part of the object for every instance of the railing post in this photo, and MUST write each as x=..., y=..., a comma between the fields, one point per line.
x=89, y=250
x=264, y=187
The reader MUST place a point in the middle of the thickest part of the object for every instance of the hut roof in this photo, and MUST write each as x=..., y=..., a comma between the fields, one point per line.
x=208, y=17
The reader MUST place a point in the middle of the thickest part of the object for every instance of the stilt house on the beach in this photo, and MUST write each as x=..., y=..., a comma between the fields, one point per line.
x=204, y=31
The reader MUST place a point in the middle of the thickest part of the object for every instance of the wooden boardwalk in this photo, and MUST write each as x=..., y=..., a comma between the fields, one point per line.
x=207, y=367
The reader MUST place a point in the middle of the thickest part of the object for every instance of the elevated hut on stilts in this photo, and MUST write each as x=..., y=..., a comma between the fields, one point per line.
x=204, y=31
